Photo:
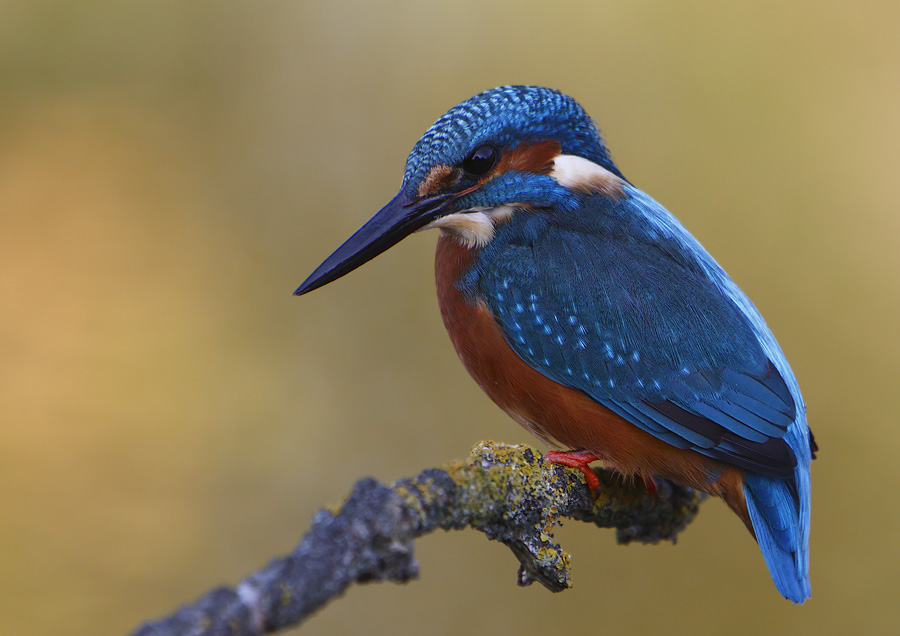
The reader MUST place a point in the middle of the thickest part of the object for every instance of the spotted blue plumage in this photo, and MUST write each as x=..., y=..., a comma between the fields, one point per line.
x=619, y=301
x=604, y=303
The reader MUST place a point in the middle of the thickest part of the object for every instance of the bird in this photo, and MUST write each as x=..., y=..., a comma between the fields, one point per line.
x=589, y=314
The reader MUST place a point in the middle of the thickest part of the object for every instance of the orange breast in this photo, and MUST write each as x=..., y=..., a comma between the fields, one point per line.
x=554, y=412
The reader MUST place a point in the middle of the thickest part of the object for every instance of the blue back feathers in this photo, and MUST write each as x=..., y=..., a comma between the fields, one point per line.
x=619, y=301
x=606, y=304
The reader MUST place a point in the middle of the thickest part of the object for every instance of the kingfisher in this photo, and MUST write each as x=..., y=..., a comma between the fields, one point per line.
x=591, y=316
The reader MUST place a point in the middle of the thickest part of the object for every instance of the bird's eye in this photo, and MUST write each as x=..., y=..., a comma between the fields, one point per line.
x=480, y=161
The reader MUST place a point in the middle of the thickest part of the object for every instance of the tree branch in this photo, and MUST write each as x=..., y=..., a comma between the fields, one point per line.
x=507, y=492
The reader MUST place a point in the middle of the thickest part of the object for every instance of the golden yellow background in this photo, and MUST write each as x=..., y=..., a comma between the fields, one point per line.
x=171, y=418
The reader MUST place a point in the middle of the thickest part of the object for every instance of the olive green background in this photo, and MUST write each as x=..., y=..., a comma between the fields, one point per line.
x=171, y=418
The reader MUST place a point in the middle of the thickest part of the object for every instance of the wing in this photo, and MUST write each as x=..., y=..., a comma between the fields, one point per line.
x=639, y=327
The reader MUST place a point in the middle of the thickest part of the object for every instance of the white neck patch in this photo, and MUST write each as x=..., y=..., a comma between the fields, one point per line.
x=475, y=227
x=583, y=175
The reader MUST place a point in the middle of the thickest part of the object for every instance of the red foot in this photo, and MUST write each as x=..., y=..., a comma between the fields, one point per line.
x=578, y=459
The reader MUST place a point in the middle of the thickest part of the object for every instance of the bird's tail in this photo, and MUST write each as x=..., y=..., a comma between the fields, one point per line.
x=779, y=512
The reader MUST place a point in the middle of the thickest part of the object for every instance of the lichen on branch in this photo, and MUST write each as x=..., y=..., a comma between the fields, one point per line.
x=510, y=493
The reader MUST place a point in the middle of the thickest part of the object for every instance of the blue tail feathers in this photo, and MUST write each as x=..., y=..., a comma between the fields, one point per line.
x=779, y=511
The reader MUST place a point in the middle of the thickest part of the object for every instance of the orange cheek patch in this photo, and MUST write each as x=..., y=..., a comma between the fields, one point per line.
x=529, y=157
x=534, y=157
x=440, y=177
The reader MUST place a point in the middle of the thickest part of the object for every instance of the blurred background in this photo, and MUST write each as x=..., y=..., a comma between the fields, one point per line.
x=171, y=418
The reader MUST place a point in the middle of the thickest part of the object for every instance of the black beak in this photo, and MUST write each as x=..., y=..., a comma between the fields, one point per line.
x=393, y=223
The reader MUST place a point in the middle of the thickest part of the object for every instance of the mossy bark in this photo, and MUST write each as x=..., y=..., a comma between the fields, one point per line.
x=510, y=493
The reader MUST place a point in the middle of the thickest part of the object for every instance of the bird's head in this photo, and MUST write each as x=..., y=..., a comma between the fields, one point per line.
x=508, y=149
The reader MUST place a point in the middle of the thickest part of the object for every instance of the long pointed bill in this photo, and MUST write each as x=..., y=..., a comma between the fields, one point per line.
x=394, y=222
